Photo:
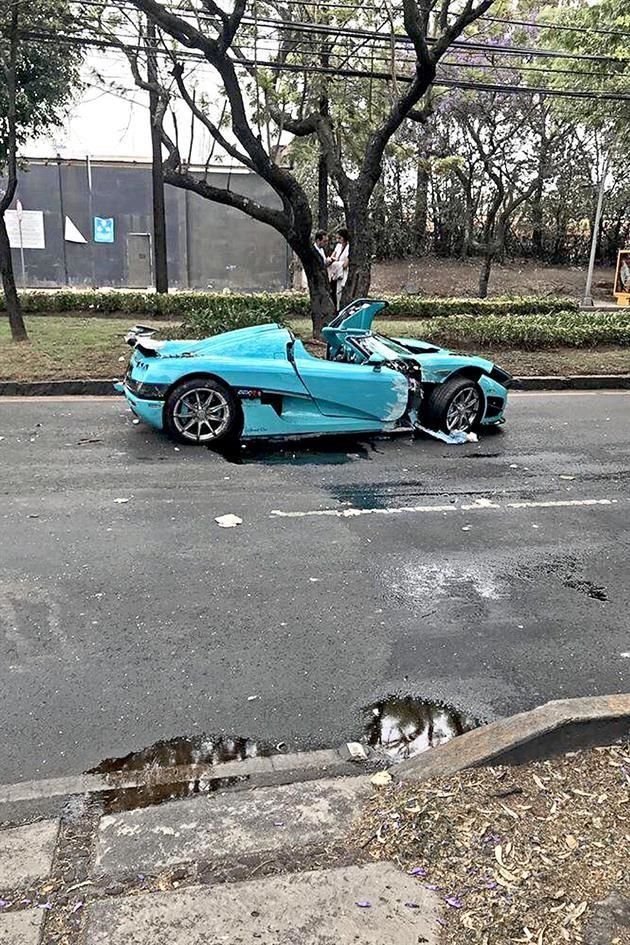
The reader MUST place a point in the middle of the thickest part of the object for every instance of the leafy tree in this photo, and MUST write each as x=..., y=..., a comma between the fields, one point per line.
x=38, y=79
x=263, y=109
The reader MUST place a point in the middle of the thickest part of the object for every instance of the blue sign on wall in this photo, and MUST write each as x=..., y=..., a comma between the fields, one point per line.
x=103, y=229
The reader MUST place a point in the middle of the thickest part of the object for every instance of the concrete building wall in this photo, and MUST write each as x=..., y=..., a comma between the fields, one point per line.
x=209, y=246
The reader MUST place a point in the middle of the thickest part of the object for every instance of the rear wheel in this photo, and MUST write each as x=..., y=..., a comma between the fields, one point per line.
x=454, y=406
x=201, y=410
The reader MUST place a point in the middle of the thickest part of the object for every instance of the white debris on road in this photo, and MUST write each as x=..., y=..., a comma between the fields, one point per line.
x=228, y=521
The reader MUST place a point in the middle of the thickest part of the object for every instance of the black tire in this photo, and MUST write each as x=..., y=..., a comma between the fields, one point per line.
x=202, y=411
x=441, y=413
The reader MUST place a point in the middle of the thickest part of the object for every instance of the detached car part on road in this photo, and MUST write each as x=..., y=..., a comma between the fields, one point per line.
x=262, y=382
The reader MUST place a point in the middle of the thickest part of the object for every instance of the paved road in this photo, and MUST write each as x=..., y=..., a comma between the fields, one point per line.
x=125, y=622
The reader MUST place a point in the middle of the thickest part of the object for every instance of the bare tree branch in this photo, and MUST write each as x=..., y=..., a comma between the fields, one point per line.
x=201, y=116
x=275, y=218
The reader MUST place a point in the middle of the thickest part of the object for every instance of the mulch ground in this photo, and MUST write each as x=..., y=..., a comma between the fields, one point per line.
x=518, y=854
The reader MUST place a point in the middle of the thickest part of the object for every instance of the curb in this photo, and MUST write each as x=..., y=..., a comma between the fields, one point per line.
x=79, y=388
x=100, y=387
x=548, y=730
x=349, y=759
x=575, y=382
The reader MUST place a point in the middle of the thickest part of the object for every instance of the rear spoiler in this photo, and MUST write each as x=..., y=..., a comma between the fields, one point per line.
x=139, y=333
x=139, y=337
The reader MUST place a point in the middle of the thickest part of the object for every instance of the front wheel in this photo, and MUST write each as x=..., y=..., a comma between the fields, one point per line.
x=201, y=410
x=454, y=406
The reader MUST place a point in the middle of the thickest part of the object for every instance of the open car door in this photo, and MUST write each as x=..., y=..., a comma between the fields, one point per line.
x=370, y=391
x=358, y=315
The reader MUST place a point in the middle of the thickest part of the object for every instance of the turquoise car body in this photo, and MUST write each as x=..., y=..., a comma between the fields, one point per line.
x=365, y=385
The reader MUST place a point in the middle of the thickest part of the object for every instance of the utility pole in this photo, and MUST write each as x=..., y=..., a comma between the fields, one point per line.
x=587, y=301
x=62, y=211
x=160, y=265
x=322, y=167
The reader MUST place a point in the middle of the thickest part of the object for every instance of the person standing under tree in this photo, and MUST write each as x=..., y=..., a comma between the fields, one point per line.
x=338, y=268
x=320, y=245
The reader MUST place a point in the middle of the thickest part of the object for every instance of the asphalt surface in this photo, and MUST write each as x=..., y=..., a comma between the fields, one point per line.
x=125, y=622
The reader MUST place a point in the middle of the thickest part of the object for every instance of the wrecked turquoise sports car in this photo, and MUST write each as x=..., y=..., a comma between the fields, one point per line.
x=262, y=382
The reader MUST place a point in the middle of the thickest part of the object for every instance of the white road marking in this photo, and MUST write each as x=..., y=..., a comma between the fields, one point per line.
x=478, y=505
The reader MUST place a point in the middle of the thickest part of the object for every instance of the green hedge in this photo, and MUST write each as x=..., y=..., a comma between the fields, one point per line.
x=212, y=309
x=529, y=332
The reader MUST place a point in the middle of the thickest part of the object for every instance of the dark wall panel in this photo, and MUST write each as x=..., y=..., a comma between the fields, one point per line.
x=209, y=246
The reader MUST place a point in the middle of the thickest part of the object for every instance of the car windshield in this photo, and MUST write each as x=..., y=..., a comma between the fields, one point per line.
x=379, y=344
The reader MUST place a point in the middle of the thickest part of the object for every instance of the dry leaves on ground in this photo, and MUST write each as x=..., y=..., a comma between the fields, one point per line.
x=517, y=854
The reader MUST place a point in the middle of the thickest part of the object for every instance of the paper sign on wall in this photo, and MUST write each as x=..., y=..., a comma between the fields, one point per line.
x=25, y=229
x=72, y=234
x=103, y=229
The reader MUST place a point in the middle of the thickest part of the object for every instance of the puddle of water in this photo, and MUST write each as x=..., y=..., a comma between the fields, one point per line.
x=401, y=727
x=324, y=451
x=181, y=752
x=154, y=766
x=117, y=802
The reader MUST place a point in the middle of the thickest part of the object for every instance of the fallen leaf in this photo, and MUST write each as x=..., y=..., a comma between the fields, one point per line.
x=571, y=842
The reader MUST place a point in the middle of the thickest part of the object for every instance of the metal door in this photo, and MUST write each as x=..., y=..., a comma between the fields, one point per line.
x=139, y=260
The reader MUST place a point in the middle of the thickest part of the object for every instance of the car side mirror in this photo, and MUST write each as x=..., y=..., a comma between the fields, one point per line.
x=376, y=361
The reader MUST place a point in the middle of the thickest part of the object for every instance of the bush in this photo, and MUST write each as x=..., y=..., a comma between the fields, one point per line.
x=197, y=309
x=529, y=332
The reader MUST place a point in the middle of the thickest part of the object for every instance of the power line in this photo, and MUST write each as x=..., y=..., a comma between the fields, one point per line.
x=299, y=26
x=358, y=7
x=589, y=94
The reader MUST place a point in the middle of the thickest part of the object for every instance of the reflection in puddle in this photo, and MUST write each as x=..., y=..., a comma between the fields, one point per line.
x=403, y=726
x=169, y=770
x=116, y=802
x=179, y=752
x=323, y=451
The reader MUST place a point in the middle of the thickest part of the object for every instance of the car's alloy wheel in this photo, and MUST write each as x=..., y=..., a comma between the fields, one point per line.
x=463, y=410
x=454, y=406
x=201, y=411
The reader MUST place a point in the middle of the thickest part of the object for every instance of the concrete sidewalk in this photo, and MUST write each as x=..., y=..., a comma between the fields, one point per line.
x=266, y=866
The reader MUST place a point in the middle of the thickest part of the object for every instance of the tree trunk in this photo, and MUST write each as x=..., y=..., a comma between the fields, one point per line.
x=537, y=222
x=421, y=208
x=323, y=308
x=11, y=300
x=322, y=192
x=484, y=275
x=361, y=251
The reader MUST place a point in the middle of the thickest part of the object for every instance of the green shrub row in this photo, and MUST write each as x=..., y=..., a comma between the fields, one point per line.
x=199, y=308
x=529, y=332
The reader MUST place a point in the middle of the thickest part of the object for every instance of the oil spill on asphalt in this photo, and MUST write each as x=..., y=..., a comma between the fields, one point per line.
x=401, y=727
x=594, y=591
x=324, y=451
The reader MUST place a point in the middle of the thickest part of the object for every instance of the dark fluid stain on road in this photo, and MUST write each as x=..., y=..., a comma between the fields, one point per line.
x=323, y=451
x=403, y=726
x=594, y=591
